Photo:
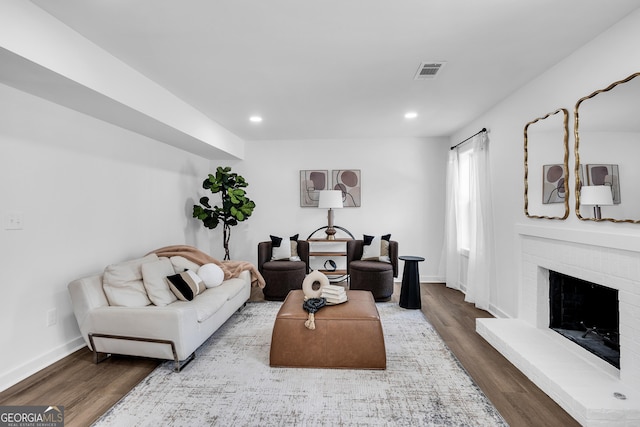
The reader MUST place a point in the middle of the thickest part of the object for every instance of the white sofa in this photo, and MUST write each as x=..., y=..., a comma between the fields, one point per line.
x=172, y=331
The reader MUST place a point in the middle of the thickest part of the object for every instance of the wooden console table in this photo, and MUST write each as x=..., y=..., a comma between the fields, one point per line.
x=329, y=249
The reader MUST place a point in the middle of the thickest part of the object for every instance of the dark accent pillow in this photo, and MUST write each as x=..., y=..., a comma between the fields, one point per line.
x=368, y=239
x=275, y=241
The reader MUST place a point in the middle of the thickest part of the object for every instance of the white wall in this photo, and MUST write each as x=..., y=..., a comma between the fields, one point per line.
x=403, y=193
x=90, y=194
x=610, y=57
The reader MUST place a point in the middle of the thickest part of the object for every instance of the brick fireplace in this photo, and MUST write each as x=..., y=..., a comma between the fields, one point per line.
x=592, y=390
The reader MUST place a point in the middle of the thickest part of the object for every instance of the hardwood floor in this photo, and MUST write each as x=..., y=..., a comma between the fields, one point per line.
x=519, y=401
x=87, y=390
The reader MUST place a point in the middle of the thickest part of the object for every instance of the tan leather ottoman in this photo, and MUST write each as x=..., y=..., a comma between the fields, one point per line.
x=347, y=335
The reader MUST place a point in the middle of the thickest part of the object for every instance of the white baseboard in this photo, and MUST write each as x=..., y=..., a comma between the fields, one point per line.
x=432, y=279
x=498, y=313
x=423, y=279
x=29, y=368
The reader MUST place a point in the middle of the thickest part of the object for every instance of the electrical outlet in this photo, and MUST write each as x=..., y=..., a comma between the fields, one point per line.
x=52, y=317
x=14, y=221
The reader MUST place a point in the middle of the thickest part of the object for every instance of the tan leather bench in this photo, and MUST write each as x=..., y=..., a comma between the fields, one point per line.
x=347, y=335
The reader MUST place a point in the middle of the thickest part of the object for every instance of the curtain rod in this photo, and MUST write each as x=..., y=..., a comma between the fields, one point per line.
x=462, y=142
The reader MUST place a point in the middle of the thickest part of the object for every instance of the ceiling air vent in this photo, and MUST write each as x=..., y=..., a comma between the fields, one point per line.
x=428, y=70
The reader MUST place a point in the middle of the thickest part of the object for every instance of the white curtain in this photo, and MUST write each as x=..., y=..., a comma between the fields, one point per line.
x=480, y=273
x=451, y=246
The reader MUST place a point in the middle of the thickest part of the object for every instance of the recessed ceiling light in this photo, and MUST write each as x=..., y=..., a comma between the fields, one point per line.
x=411, y=115
x=255, y=119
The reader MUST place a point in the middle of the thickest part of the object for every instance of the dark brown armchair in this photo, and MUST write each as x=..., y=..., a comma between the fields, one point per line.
x=282, y=276
x=370, y=275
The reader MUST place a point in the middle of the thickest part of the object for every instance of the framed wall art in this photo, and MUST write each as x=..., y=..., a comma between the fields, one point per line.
x=349, y=182
x=553, y=190
x=601, y=174
x=311, y=182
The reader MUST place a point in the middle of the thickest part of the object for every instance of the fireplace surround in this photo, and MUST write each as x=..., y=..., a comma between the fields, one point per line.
x=592, y=390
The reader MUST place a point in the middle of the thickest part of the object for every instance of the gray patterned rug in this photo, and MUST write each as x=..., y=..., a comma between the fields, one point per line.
x=230, y=383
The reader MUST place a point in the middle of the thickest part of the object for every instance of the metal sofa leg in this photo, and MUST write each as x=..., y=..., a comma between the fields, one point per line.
x=179, y=365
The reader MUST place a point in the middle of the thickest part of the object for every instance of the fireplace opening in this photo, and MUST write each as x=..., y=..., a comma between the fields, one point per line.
x=587, y=314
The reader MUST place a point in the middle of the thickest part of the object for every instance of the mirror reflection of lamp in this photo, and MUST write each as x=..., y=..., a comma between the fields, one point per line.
x=330, y=199
x=596, y=196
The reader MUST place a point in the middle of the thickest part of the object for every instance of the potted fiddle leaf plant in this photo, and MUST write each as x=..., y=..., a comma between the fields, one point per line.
x=235, y=207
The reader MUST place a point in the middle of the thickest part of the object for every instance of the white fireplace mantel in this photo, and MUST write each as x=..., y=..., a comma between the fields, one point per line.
x=626, y=242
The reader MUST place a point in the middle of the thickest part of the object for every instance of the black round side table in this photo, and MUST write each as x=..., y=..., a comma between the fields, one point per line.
x=410, y=291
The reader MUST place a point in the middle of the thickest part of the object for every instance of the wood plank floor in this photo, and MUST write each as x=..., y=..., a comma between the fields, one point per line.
x=519, y=401
x=87, y=391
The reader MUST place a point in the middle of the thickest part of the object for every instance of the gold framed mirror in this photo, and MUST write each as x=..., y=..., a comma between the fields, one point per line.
x=607, y=148
x=546, y=179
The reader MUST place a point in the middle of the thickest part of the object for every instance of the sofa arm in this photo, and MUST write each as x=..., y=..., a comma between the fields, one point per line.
x=264, y=254
x=393, y=255
x=86, y=295
x=303, y=252
x=162, y=323
x=354, y=251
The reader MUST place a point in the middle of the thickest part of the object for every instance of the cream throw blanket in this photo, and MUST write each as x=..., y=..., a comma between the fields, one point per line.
x=230, y=268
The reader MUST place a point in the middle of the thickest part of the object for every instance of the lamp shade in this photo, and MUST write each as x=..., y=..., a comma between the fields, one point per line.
x=330, y=199
x=596, y=195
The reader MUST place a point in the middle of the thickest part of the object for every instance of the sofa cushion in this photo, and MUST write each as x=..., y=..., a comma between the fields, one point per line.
x=368, y=266
x=154, y=277
x=211, y=274
x=186, y=285
x=123, y=285
x=229, y=288
x=207, y=304
x=210, y=301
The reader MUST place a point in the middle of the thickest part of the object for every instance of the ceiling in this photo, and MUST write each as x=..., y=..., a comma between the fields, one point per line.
x=339, y=68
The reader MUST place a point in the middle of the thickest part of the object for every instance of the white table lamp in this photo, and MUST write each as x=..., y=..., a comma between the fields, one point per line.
x=330, y=199
x=596, y=196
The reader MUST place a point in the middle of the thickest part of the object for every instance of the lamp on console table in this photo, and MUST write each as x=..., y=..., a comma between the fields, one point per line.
x=330, y=199
x=596, y=196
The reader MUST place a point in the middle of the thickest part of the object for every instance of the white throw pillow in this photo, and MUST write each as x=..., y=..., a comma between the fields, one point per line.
x=154, y=277
x=180, y=264
x=372, y=251
x=281, y=252
x=122, y=283
x=211, y=275
x=376, y=248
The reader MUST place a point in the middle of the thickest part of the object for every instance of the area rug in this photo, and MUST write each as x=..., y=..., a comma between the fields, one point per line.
x=230, y=383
